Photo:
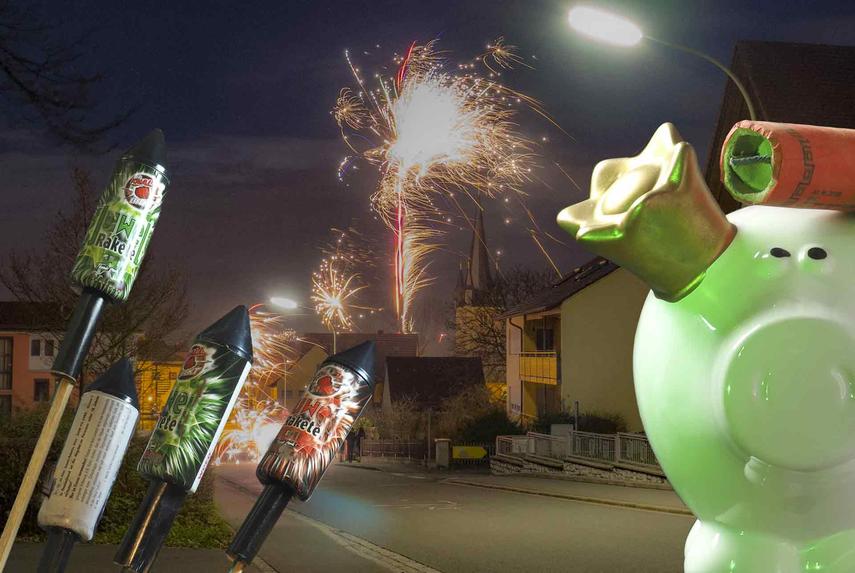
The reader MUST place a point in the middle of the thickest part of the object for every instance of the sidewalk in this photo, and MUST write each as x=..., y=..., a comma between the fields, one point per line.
x=640, y=498
x=88, y=558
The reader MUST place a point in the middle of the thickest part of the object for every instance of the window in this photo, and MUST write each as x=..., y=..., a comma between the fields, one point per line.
x=5, y=406
x=545, y=339
x=41, y=390
x=5, y=363
x=35, y=347
x=49, y=347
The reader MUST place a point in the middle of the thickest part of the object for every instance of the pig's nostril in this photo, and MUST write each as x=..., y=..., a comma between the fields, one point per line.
x=817, y=253
x=779, y=253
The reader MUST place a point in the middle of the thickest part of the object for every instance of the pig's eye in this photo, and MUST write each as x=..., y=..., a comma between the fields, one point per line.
x=779, y=253
x=817, y=253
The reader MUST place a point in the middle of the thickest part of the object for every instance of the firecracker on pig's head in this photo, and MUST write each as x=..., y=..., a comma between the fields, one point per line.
x=743, y=362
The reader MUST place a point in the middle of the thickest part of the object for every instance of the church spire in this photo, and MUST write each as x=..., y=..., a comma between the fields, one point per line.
x=479, y=261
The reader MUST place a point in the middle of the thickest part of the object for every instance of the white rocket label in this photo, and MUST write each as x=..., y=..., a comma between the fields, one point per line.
x=89, y=462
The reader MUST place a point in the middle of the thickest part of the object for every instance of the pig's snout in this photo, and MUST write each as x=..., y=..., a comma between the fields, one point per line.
x=789, y=392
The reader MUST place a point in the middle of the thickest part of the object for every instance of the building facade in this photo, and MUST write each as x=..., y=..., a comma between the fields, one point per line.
x=27, y=349
x=573, y=343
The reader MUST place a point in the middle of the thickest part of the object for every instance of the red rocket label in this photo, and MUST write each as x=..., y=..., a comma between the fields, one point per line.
x=315, y=430
x=142, y=191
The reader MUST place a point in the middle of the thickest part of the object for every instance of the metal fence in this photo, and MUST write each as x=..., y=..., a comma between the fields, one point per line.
x=511, y=445
x=594, y=446
x=396, y=449
x=610, y=448
x=635, y=449
x=547, y=446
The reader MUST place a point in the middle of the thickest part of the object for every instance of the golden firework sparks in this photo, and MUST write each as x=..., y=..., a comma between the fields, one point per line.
x=334, y=291
x=433, y=132
x=257, y=415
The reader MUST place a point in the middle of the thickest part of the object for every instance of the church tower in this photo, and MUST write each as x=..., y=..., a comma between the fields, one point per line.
x=475, y=279
x=474, y=318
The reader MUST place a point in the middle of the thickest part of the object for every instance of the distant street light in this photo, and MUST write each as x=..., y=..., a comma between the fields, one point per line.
x=619, y=31
x=284, y=302
x=291, y=304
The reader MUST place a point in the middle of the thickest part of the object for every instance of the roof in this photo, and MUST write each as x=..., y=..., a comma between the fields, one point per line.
x=581, y=278
x=787, y=82
x=31, y=316
x=429, y=380
x=386, y=344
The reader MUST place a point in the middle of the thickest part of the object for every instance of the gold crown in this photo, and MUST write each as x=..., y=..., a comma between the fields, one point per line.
x=654, y=215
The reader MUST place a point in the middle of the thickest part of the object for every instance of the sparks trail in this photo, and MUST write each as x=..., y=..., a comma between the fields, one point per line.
x=431, y=133
x=257, y=415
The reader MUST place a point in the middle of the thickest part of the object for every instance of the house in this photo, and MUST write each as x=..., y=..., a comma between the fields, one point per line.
x=312, y=348
x=28, y=344
x=573, y=342
x=155, y=374
x=429, y=380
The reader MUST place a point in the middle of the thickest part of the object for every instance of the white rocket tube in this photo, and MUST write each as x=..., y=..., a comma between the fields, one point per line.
x=89, y=462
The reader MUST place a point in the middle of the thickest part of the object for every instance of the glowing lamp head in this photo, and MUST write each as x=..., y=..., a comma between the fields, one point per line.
x=605, y=26
x=283, y=302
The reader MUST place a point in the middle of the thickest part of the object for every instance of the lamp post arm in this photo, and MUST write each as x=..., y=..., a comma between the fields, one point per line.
x=751, y=112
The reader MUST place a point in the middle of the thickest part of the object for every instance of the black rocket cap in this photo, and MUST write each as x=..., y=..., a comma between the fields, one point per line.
x=360, y=358
x=232, y=331
x=151, y=150
x=118, y=381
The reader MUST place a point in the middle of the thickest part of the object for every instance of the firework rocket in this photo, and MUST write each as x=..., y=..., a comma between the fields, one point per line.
x=88, y=464
x=307, y=443
x=104, y=271
x=187, y=431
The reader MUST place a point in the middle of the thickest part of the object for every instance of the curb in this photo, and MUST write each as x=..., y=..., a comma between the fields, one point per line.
x=582, y=498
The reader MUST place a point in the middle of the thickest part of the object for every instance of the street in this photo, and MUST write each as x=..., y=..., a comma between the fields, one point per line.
x=409, y=521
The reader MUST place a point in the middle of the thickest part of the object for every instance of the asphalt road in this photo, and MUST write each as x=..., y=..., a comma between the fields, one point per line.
x=356, y=515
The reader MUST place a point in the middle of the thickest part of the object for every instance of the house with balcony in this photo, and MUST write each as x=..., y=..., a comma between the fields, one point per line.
x=573, y=342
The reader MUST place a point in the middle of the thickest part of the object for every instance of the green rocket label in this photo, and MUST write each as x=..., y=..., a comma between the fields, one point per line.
x=120, y=231
x=194, y=415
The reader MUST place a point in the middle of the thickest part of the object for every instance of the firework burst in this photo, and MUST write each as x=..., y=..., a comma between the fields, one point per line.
x=334, y=291
x=432, y=133
x=257, y=415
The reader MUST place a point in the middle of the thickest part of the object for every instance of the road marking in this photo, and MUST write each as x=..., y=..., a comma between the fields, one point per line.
x=387, y=559
x=574, y=498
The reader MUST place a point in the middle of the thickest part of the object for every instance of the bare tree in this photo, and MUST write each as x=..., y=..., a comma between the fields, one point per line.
x=477, y=328
x=156, y=308
x=42, y=81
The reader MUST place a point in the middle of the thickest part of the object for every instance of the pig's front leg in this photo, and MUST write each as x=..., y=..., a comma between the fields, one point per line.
x=715, y=548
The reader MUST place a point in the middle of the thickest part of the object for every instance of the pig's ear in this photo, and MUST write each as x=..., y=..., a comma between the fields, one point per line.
x=654, y=215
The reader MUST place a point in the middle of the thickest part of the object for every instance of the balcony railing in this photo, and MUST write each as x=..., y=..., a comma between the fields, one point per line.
x=539, y=367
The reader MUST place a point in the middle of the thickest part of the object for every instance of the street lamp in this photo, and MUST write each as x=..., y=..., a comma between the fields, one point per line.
x=291, y=304
x=284, y=302
x=619, y=31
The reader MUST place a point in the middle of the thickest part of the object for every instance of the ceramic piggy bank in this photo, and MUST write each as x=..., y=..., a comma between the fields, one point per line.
x=744, y=359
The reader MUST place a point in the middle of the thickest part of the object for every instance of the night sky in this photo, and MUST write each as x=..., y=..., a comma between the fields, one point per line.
x=243, y=92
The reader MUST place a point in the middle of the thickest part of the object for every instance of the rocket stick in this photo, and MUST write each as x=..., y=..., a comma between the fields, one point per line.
x=186, y=434
x=306, y=444
x=104, y=271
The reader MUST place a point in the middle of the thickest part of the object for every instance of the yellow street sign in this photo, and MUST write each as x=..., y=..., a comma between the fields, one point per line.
x=468, y=452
